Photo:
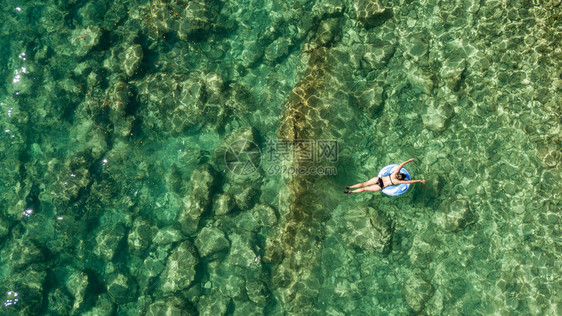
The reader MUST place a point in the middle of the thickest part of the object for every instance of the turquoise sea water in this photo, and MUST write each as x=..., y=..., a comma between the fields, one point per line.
x=189, y=157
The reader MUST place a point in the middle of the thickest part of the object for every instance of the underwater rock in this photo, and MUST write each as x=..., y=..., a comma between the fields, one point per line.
x=197, y=20
x=245, y=308
x=167, y=235
x=92, y=13
x=210, y=241
x=200, y=100
x=189, y=218
x=20, y=253
x=368, y=229
x=166, y=308
x=421, y=249
x=224, y=203
x=370, y=13
x=325, y=35
x=119, y=98
x=370, y=98
x=457, y=216
x=550, y=155
x=417, y=292
x=166, y=209
x=283, y=276
x=233, y=287
x=121, y=289
x=278, y=49
x=140, y=237
x=377, y=54
x=257, y=291
x=76, y=284
x=193, y=293
x=52, y=20
x=12, y=191
x=4, y=227
x=420, y=78
x=83, y=39
x=246, y=199
x=241, y=253
x=252, y=52
x=210, y=305
x=202, y=180
x=132, y=58
x=416, y=45
x=273, y=251
x=59, y=303
x=264, y=215
x=103, y=307
x=323, y=9
x=180, y=269
x=179, y=102
x=178, y=171
x=69, y=178
x=453, y=67
x=107, y=241
x=29, y=292
x=164, y=92
x=437, y=118
x=307, y=116
x=152, y=266
x=136, y=307
x=245, y=221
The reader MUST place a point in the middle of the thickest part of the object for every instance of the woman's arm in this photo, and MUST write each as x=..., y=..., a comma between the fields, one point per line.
x=410, y=181
x=402, y=165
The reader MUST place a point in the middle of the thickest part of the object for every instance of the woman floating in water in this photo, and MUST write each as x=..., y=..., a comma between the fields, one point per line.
x=379, y=183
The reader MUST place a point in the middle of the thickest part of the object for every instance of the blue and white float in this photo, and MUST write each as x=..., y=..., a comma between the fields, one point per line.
x=395, y=190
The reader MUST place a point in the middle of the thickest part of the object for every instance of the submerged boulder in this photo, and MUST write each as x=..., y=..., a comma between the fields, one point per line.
x=417, y=292
x=241, y=253
x=210, y=241
x=132, y=59
x=84, y=39
x=166, y=308
x=370, y=13
x=437, y=117
x=180, y=270
x=202, y=180
x=370, y=99
x=25, y=293
x=257, y=291
x=368, y=229
x=453, y=67
x=167, y=235
x=76, y=284
x=457, y=216
x=140, y=236
x=223, y=204
x=210, y=305
x=121, y=289
x=107, y=241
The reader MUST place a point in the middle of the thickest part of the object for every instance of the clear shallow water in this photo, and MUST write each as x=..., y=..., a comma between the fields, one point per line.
x=128, y=185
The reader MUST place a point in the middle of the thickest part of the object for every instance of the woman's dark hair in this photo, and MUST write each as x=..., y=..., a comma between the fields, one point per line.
x=401, y=176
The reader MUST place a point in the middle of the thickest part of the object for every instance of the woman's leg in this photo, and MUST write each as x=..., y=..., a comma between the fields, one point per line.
x=369, y=188
x=364, y=184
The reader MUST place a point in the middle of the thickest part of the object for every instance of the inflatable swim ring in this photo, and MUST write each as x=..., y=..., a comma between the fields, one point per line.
x=395, y=190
